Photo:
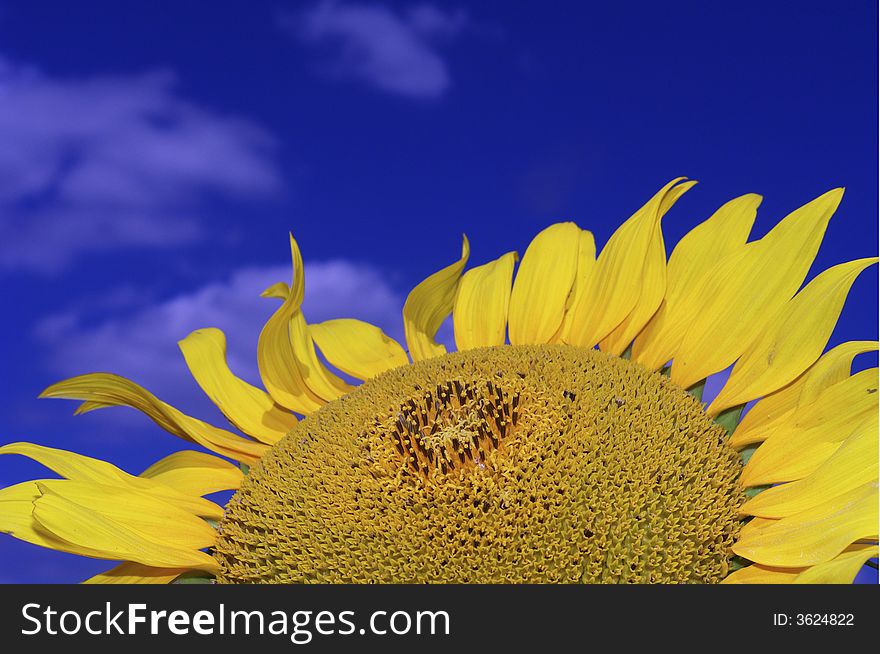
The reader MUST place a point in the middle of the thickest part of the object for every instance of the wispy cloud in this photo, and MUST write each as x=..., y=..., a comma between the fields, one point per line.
x=395, y=52
x=142, y=343
x=105, y=163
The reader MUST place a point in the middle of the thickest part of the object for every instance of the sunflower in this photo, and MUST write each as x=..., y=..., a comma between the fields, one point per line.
x=565, y=441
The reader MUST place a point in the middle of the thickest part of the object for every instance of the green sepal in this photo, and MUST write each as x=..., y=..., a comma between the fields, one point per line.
x=245, y=468
x=746, y=453
x=697, y=390
x=738, y=562
x=194, y=577
x=729, y=418
x=754, y=490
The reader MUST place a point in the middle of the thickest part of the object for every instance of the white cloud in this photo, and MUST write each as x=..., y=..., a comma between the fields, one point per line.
x=105, y=163
x=142, y=344
x=396, y=53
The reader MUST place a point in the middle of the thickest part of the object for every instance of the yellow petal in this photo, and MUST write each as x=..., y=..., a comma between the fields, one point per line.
x=586, y=264
x=83, y=468
x=275, y=354
x=760, y=574
x=815, y=431
x=135, y=573
x=806, y=450
x=746, y=289
x=86, y=532
x=481, y=306
x=26, y=491
x=767, y=414
x=853, y=464
x=319, y=380
x=279, y=290
x=112, y=390
x=674, y=194
x=842, y=569
x=834, y=367
x=158, y=520
x=754, y=525
x=289, y=365
x=195, y=473
x=247, y=407
x=816, y=535
x=357, y=348
x=653, y=288
x=772, y=411
x=615, y=286
x=427, y=306
x=543, y=283
x=16, y=519
x=697, y=252
x=69, y=464
x=793, y=340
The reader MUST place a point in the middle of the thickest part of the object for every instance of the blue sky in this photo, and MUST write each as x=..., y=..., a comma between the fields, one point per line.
x=156, y=154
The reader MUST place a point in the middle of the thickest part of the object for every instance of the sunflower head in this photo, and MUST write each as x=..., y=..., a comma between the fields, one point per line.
x=528, y=455
x=511, y=464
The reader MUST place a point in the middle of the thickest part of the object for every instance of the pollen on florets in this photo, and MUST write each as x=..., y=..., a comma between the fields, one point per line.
x=510, y=464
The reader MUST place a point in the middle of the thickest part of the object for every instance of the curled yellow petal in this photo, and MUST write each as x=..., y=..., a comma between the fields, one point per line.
x=793, y=340
x=136, y=573
x=195, y=473
x=543, y=283
x=674, y=194
x=276, y=358
x=289, y=365
x=773, y=410
x=653, y=288
x=694, y=256
x=156, y=518
x=78, y=467
x=357, y=348
x=747, y=288
x=247, y=407
x=853, y=464
x=427, y=306
x=279, y=290
x=112, y=390
x=815, y=535
x=86, y=533
x=319, y=380
x=815, y=431
x=479, y=317
x=615, y=286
